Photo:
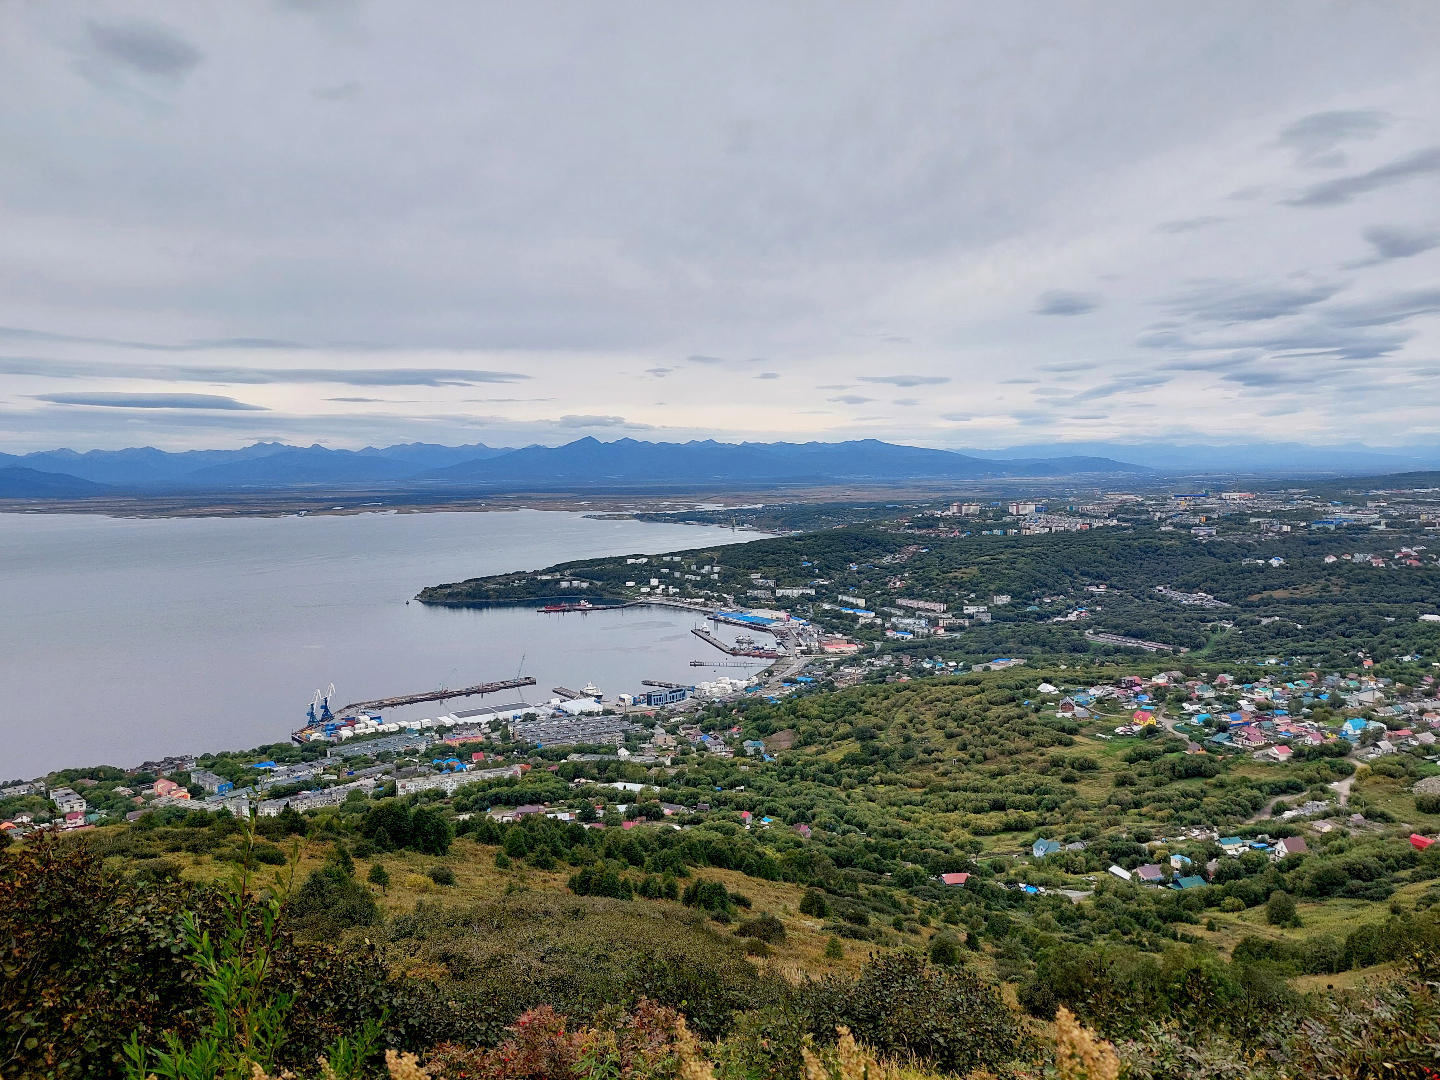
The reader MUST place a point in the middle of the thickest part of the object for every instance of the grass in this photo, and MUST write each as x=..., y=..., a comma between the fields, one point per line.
x=478, y=879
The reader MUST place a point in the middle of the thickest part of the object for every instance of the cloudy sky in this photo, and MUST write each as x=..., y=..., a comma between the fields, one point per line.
x=952, y=224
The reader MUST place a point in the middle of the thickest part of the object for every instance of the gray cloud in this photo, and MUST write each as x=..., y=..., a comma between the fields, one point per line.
x=581, y=421
x=1017, y=382
x=23, y=334
x=1188, y=224
x=905, y=380
x=1061, y=302
x=1066, y=366
x=1393, y=242
x=339, y=92
x=1125, y=384
x=768, y=375
x=1344, y=188
x=152, y=401
x=70, y=369
x=850, y=399
x=1314, y=138
x=1234, y=301
x=145, y=46
x=706, y=359
x=1384, y=310
x=906, y=401
x=659, y=372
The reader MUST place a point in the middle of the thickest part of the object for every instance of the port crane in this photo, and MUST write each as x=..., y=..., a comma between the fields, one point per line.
x=321, y=700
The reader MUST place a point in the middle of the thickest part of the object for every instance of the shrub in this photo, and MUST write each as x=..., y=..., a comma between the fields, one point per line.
x=649, y=1042
x=329, y=902
x=442, y=875
x=709, y=895
x=1427, y=804
x=269, y=854
x=764, y=927
x=900, y=1005
x=583, y=956
x=833, y=949
x=813, y=903
x=944, y=950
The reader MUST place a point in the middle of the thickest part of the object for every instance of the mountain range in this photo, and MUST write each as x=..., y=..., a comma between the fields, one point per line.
x=586, y=462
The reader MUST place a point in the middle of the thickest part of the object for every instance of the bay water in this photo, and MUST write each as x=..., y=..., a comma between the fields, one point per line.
x=127, y=639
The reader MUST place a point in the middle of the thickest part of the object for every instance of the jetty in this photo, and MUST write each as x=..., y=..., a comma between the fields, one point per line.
x=711, y=639
x=436, y=695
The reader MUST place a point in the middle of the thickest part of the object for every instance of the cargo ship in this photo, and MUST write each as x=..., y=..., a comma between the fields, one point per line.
x=583, y=605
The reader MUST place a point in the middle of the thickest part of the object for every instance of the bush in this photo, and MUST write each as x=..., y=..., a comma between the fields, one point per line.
x=330, y=902
x=1427, y=804
x=584, y=956
x=765, y=927
x=944, y=951
x=709, y=895
x=813, y=903
x=442, y=875
x=833, y=949
x=901, y=1006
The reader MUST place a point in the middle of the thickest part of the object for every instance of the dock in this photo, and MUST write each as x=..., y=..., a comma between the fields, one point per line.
x=711, y=639
x=435, y=695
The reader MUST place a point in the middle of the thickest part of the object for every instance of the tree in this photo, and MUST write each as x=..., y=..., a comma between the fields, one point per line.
x=833, y=951
x=1280, y=909
x=430, y=833
x=379, y=876
x=813, y=903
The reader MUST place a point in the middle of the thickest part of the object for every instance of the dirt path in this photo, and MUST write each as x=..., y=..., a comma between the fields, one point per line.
x=1342, y=788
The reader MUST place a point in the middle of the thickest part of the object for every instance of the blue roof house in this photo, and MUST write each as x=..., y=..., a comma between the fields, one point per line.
x=1041, y=848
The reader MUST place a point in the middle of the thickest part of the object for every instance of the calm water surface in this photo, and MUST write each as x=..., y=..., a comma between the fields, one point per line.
x=122, y=640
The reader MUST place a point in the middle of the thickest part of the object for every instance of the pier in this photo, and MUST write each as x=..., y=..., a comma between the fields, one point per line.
x=711, y=639
x=436, y=695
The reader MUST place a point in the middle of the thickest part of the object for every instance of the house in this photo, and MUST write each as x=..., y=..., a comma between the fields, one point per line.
x=1281, y=753
x=210, y=781
x=67, y=801
x=1042, y=848
x=1120, y=872
x=1150, y=874
x=1231, y=845
x=802, y=829
x=1193, y=881
x=954, y=879
x=1179, y=862
x=1419, y=842
x=1290, y=845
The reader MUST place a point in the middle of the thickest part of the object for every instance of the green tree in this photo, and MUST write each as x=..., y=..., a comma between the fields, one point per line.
x=1280, y=909
x=379, y=876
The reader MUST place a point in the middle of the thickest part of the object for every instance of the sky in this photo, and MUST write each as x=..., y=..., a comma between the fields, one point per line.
x=957, y=224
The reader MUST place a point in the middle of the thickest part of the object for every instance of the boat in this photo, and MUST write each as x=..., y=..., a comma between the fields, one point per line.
x=583, y=605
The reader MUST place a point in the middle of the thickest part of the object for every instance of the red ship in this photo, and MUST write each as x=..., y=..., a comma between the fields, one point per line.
x=583, y=605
